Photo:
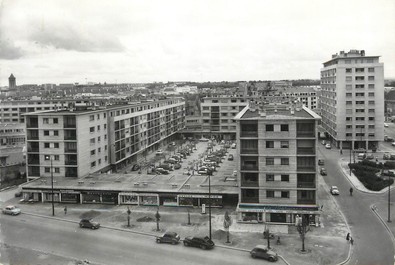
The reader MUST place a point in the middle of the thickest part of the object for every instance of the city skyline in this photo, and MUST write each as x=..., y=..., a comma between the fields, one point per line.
x=127, y=42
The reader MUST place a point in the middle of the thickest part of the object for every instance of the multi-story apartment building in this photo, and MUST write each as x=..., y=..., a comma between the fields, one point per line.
x=12, y=134
x=81, y=141
x=306, y=95
x=218, y=116
x=352, y=100
x=278, y=157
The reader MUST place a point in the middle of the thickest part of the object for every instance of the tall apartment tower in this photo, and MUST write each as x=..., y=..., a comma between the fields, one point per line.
x=352, y=100
x=278, y=157
x=11, y=82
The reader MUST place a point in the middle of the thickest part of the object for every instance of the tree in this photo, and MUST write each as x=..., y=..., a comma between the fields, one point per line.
x=157, y=217
x=303, y=227
x=227, y=224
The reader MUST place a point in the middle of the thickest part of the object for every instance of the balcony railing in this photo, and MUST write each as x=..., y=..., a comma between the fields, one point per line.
x=306, y=150
x=306, y=168
x=245, y=183
x=70, y=150
x=33, y=161
x=71, y=162
x=304, y=133
x=249, y=167
x=302, y=184
x=250, y=199
x=33, y=149
x=249, y=134
x=306, y=201
x=249, y=151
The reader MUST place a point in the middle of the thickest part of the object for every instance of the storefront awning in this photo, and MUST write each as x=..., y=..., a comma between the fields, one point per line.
x=278, y=208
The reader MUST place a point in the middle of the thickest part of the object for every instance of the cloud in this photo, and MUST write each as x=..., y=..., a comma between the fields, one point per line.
x=8, y=50
x=68, y=37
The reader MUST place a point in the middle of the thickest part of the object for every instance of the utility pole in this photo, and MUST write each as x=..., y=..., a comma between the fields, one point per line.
x=209, y=203
x=389, y=200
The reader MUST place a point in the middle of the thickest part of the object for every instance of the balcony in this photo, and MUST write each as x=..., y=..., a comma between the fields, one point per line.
x=249, y=151
x=306, y=151
x=249, y=134
x=305, y=133
x=306, y=201
x=70, y=135
x=303, y=184
x=306, y=168
x=250, y=199
x=249, y=167
x=247, y=183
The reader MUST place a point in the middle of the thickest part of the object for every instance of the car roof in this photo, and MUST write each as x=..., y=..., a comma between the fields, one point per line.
x=10, y=206
x=334, y=187
x=261, y=246
x=170, y=233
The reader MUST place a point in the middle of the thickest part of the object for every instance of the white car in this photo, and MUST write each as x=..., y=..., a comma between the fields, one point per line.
x=328, y=146
x=159, y=152
x=11, y=210
x=334, y=190
x=386, y=125
x=393, y=144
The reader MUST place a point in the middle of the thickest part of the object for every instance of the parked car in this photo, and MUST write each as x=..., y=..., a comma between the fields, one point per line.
x=361, y=156
x=323, y=142
x=159, y=152
x=168, y=237
x=392, y=157
x=88, y=223
x=334, y=190
x=233, y=146
x=386, y=125
x=135, y=167
x=321, y=162
x=177, y=166
x=263, y=252
x=386, y=156
x=162, y=171
x=370, y=156
x=18, y=194
x=199, y=242
x=389, y=139
x=11, y=210
x=328, y=146
x=203, y=139
x=323, y=171
x=168, y=167
x=230, y=157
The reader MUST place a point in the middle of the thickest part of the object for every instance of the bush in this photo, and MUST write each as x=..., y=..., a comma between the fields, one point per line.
x=366, y=172
x=389, y=164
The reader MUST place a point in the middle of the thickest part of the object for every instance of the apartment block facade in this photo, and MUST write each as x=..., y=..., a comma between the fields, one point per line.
x=78, y=142
x=278, y=158
x=352, y=100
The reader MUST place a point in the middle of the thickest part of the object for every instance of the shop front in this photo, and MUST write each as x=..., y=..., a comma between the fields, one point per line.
x=276, y=214
x=31, y=196
x=99, y=197
x=47, y=196
x=128, y=198
x=199, y=199
x=149, y=199
x=70, y=196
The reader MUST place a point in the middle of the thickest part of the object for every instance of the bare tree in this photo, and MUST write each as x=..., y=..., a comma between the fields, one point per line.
x=303, y=227
x=227, y=224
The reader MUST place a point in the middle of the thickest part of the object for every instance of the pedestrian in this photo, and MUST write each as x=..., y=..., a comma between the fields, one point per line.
x=348, y=236
x=65, y=210
x=322, y=206
x=351, y=190
x=351, y=241
x=341, y=151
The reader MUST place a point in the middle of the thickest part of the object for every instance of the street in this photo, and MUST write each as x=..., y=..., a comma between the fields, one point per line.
x=372, y=243
x=104, y=246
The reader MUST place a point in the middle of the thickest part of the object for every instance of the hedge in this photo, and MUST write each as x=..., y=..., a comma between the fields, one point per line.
x=366, y=172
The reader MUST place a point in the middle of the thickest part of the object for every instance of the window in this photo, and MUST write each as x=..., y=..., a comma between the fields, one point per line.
x=348, y=61
x=371, y=94
x=269, y=144
x=55, y=120
x=56, y=145
x=56, y=133
x=371, y=118
x=360, y=118
x=360, y=110
x=56, y=157
x=269, y=161
x=348, y=70
x=348, y=118
x=99, y=161
x=348, y=87
x=98, y=139
x=93, y=164
x=269, y=127
x=47, y=170
x=371, y=78
x=57, y=170
x=359, y=78
x=284, y=127
x=270, y=194
x=359, y=70
x=98, y=116
x=92, y=141
x=285, y=161
x=93, y=152
x=105, y=126
x=371, y=126
x=92, y=129
x=371, y=110
x=284, y=144
x=285, y=194
x=348, y=78
x=46, y=145
x=104, y=115
x=349, y=95
x=348, y=102
x=91, y=117
x=98, y=128
x=45, y=120
x=269, y=177
x=46, y=133
x=359, y=86
x=285, y=178
x=371, y=70
x=371, y=86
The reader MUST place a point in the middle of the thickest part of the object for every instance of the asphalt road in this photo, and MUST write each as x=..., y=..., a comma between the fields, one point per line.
x=103, y=246
x=372, y=243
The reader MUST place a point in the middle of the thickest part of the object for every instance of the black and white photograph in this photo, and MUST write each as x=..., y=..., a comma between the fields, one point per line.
x=174, y=132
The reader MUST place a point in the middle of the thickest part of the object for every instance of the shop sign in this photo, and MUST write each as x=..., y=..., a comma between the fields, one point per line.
x=128, y=194
x=200, y=196
x=148, y=194
x=70, y=191
x=39, y=191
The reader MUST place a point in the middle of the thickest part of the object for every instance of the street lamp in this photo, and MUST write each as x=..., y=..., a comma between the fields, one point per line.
x=389, y=200
x=53, y=206
x=209, y=202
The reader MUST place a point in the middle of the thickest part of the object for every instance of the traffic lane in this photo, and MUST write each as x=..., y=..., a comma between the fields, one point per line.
x=107, y=246
x=367, y=231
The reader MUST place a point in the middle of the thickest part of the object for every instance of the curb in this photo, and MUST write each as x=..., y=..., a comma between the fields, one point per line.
x=373, y=207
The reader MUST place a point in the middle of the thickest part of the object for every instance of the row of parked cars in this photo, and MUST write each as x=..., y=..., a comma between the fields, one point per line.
x=205, y=243
x=173, y=162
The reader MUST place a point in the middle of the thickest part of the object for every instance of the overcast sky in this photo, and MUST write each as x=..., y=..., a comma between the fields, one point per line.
x=53, y=41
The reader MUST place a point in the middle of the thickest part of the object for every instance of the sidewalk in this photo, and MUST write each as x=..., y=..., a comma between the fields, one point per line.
x=325, y=245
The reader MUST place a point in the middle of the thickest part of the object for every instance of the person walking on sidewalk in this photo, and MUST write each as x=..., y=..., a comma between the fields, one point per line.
x=348, y=236
x=351, y=190
x=351, y=241
x=65, y=210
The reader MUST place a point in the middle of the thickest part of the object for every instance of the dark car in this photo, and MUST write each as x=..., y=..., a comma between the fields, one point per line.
x=264, y=253
x=88, y=223
x=199, y=242
x=135, y=167
x=162, y=171
x=323, y=171
x=168, y=167
x=168, y=237
x=321, y=162
x=177, y=166
x=386, y=156
x=230, y=157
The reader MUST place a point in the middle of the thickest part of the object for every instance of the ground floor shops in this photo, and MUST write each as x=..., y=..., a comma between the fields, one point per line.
x=276, y=214
x=128, y=198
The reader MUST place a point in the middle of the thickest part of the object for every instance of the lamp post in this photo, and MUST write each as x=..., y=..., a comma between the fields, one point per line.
x=53, y=206
x=209, y=203
x=389, y=200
